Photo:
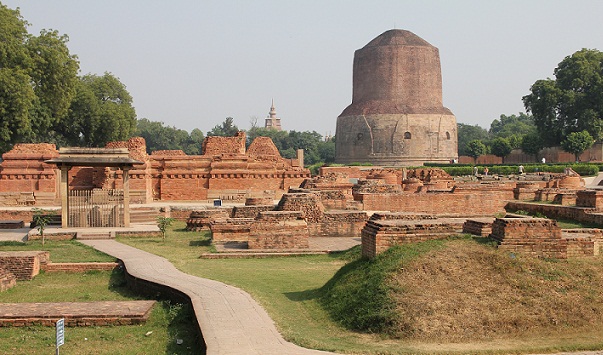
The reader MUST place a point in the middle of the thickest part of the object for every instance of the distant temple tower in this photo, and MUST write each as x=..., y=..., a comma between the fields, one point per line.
x=273, y=122
x=396, y=116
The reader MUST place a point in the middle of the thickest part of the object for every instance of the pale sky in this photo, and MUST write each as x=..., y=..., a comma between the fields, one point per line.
x=192, y=63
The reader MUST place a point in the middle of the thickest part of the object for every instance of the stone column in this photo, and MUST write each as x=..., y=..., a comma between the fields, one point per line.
x=126, y=181
x=64, y=192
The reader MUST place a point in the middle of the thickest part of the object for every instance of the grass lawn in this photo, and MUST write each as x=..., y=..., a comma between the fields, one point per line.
x=167, y=322
x=289, y=287
x=61, y=251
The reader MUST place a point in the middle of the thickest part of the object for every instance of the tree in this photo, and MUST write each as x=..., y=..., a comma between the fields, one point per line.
x=513, y=128
x=577, y=143
x=475, y=149
x=41, y=218
x=468, y=133
x=101, y=112
x=573, y=102
x=163, y=223
x=501, y=147
x=37, y=81
x=160, y=137
x=532, y=144
x=227, y=129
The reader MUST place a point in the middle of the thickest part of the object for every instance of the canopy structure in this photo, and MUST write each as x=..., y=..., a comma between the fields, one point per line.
x=93, y=157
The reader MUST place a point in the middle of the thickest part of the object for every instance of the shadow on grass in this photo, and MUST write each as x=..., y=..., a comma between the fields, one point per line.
x=119, y=285
x=182, y=324
x=485, y=241
x=200, y=243
x=306, y=295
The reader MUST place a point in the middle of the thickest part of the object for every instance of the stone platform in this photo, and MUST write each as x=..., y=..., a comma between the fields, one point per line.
x=75, y=313
x=11, y=224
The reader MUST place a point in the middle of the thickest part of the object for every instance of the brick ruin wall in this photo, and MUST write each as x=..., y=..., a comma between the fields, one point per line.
x=24, y=177
x=378, y=235
x=279, y=230
x=538, y=237
x=461, y=201
x=225, y=170
x=7, y=279
x=339, y=224
x=25, y=265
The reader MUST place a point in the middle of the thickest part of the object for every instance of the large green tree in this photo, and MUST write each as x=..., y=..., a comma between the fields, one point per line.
x=226, y=129
x=501, y=147
x=160, y=137
x=38, y=76
x=577, y=143
x=475, y=149
x=532, y=144
x=573, y=101
x=468, y=133
x=101, y=112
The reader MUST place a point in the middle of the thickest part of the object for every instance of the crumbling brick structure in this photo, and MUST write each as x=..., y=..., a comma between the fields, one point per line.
x=225, y=171
x=24, y=177
x=386, y=230
x=7, y=279
x=25, y=265
x=279, y=230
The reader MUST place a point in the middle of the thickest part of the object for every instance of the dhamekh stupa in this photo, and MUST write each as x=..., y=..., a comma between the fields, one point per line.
x=396, y=116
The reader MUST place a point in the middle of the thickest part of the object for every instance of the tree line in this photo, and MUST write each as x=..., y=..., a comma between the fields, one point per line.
x=566, y=111
x=44, y=99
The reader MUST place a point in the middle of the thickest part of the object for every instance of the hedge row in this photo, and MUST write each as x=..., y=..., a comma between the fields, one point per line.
x=460, y=170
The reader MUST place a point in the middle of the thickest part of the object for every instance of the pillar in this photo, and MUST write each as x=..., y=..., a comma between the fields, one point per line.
x=64, y=192
x=126, y=183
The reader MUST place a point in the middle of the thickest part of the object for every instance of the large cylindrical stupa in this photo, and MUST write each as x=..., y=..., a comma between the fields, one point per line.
x=396, y=116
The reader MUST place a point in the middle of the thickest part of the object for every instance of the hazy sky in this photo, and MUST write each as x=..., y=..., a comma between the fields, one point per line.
x=192, y=63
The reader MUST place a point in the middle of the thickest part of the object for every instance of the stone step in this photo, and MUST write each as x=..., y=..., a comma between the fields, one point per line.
x=11, y=224
x=88, y=235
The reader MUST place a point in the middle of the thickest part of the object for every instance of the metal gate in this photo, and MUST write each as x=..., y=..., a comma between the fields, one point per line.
x=96, y=208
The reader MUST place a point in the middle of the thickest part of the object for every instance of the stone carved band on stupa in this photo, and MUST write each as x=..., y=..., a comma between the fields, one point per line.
x=396, y=116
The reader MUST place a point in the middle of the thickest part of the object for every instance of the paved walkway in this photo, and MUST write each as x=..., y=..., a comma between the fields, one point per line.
x=230, y=320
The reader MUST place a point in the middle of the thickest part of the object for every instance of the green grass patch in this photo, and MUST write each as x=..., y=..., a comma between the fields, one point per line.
x=167, y=322
x=293, y=291
x=61, y=251
x=358, y=296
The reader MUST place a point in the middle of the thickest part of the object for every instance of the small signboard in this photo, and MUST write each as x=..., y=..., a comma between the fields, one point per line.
x=60, y=333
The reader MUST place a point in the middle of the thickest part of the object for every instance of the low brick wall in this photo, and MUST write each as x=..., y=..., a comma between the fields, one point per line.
x=7, y=279
x=78, y=267
x=481, y=201
x=379, y=235
x=478, y=226
x=230, y=230
x=279, y=230
x=339, y=224
x=25, y=265
x=201, y=220
x=590, y=199
x=538, y=237
x=251, y=211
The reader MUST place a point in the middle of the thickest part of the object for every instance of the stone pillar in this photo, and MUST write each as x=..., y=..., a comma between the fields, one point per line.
x=64, y=192
x=300, y=157
x=126, y=183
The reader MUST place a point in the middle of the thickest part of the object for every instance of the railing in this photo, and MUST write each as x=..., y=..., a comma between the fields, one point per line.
x=96, y=208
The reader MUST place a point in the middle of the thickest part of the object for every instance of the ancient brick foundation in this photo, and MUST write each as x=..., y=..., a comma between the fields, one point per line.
x=538, y=237
x=339, y=223
x=7, y=280
x=230, y=230
x=279, y=230
x=380, y=234
x=461, y=201
x=478, y=226
x=25, y=265
x=201, y=220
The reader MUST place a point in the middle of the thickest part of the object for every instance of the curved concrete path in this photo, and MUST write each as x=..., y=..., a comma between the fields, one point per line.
x=230, y=320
